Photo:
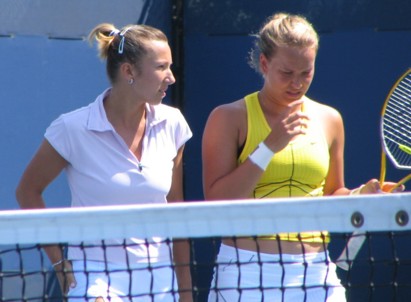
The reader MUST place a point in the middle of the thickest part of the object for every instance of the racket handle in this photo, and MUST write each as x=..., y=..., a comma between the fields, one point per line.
x=344, y=261
x=383, y=167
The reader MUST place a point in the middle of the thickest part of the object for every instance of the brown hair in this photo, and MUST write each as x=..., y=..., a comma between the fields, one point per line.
x=281, y=30
x=124, y=45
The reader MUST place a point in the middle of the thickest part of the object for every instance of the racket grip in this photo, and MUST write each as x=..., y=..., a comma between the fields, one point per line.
x=356, y=241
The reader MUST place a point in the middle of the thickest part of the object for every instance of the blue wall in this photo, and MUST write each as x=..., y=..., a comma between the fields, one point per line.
x=40, y=79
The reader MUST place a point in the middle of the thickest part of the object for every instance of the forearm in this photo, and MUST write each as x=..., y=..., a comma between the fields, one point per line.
x=62, y=267
x=30, y=199
x=54, y=252
x=238, y=184
x=181, y=255
x=339, y=192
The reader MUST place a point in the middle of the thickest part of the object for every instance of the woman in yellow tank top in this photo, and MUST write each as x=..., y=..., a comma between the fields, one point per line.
x=277, y=143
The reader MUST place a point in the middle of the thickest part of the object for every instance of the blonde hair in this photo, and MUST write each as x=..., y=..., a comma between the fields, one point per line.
x=127, y=44
x=282, y=30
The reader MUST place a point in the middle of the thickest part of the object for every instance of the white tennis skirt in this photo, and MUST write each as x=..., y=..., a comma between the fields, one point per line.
x=116, y=284
x=247, y=276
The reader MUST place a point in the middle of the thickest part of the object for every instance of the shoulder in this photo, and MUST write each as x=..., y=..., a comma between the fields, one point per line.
x=171, y=119
x=323, y=111
x=71, y=119
x=168, y=117
x=227, y=125
x=77, y=114
x=81, y=115
x=165, y=109
x=329, y=119
x=229, y=112
x=165, y=112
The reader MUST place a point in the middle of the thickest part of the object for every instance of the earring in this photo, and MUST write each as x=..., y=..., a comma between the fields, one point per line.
x=131, y=81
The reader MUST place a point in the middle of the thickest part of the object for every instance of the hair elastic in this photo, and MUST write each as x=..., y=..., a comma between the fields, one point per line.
x=121, y=45
x=114, y=32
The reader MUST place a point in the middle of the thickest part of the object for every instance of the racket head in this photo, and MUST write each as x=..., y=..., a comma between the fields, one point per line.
x=395, y=123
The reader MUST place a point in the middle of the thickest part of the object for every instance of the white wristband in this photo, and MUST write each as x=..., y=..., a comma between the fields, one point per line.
x=261, y=156
x=357, y=191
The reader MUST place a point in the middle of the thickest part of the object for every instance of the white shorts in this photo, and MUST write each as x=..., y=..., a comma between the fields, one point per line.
x=266, y=277
x=115, y=284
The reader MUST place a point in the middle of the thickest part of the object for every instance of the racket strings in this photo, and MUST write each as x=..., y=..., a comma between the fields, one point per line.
x=396, y=123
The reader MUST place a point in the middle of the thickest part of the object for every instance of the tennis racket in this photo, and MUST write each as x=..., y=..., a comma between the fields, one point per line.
x=396, y=127
x=395, y=131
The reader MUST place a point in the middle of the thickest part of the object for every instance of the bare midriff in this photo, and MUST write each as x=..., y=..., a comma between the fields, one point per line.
x=275, y=246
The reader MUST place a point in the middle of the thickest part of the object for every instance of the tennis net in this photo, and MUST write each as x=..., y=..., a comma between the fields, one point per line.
x=379, y=272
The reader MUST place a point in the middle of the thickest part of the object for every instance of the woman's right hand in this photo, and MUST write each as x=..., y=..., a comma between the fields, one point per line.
x=293, y=123
x=65, y=276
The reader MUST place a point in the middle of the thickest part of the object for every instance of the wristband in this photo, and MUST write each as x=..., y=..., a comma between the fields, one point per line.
x=261, y=156
x=357, y=191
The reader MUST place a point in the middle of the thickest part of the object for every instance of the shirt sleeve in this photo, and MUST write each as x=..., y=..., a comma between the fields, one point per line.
x=183, y=131
x=56, y=134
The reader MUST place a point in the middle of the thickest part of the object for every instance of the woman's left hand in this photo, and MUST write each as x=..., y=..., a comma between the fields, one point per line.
x=374, y=187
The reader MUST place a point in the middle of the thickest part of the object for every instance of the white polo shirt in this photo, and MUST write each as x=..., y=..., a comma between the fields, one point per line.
x=103, y=171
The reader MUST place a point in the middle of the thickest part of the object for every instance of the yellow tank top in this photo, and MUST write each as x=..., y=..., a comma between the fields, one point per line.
x=299, y=170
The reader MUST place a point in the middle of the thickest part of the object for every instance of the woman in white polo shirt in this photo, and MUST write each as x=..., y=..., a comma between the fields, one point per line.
x=124, y=148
